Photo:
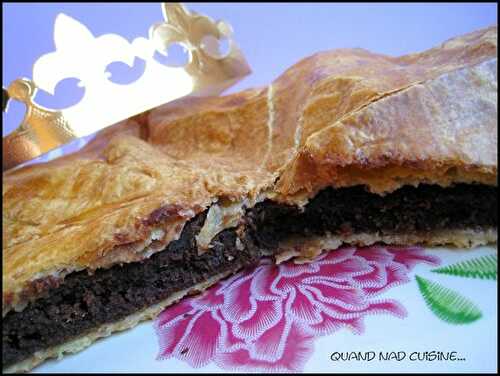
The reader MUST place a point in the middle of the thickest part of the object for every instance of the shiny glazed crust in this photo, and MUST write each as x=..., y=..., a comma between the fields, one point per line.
x=338, y=118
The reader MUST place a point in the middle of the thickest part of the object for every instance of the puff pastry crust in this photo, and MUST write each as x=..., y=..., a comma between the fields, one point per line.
x=338, y=118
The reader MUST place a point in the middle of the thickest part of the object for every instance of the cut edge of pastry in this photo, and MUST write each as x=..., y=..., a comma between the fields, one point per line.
x=149, y=236
x=304, y=250
x=78, y=344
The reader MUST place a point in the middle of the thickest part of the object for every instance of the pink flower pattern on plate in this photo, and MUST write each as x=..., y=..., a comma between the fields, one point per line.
x=267, y=318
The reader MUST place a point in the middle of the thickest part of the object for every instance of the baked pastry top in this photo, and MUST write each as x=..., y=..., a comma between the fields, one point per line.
x=340, y=118
x=349, y=116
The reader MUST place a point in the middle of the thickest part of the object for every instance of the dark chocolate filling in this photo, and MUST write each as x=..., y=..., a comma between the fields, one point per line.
x=408, y=210
x=84, y=302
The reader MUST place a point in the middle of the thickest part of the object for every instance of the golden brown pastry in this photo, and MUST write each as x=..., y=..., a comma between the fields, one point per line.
x=346, y=146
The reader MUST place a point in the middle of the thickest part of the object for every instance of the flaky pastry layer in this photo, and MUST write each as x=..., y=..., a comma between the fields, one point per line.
x=304, y=250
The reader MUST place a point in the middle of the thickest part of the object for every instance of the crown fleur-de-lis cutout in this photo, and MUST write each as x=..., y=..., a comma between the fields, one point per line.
x=197, y=33
x=79, y=54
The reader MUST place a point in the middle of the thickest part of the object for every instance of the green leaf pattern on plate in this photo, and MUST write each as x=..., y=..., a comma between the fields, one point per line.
x=447, y=304
x=484, y=267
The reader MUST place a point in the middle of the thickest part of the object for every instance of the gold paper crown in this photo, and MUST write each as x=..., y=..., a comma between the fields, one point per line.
x=81, y=55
